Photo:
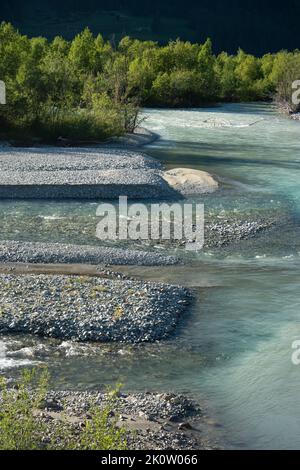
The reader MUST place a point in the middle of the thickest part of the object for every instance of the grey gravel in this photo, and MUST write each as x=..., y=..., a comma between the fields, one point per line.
x=228, y=231
x=153, y=420
x=89, y=308
x=145, y=404
x=36, y=252
x=76, y=159
x=295, y=116
x=55, y=173
x=224, y=232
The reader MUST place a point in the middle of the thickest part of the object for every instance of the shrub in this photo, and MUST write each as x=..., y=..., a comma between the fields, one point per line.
x=100, y=431
x=21, y=427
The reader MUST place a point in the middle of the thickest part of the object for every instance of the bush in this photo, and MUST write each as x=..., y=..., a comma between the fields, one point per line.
x=21, y=427
x=77, y=125
x=100, y=431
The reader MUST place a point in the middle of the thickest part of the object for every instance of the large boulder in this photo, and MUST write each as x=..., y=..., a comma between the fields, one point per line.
x=190, y=182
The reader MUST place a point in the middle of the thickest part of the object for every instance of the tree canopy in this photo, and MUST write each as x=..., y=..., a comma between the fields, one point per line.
x=94, y=87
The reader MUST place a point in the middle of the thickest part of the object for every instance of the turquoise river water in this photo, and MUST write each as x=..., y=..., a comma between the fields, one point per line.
x=233, y=350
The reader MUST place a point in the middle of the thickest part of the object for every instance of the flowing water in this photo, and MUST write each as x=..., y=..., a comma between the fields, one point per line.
x=233, y=349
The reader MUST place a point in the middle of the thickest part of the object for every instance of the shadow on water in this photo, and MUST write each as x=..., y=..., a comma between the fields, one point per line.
x=197, y=151
x=261, y=108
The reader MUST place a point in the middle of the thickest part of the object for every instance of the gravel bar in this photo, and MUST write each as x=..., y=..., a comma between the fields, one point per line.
x=59, y=173
x=36, y=252
x=74, y=159
x=89, y=308
x=153, y=420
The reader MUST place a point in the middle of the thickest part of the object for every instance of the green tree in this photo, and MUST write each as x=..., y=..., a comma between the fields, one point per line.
x=82, y=52
x=226, y=77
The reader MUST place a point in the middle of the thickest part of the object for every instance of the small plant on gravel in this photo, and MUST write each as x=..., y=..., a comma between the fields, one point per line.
x=19, y=427
x=81, y=279
x=23, y=428
x=100, y=289
x=118, y=312
x=100, y=431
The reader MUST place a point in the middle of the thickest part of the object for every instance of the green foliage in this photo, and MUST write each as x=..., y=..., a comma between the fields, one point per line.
x=74, y=90
x=286, y=70
x=100, y=430
x=21, y=427
x=88, y=88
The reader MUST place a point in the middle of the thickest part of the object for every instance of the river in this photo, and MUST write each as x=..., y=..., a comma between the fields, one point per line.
x=233, y=350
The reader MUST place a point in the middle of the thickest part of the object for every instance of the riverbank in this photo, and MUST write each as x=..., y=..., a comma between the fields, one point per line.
x=155, y=421
x=288, y=110
x=138, y=138
x=59, y=419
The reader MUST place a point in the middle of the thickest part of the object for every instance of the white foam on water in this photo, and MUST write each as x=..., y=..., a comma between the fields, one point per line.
x=8, y=362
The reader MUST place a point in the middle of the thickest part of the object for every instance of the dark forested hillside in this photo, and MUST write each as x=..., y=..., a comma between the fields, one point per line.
x=254, y=25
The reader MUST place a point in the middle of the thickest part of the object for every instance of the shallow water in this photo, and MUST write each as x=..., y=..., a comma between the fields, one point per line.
x=233, y=350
